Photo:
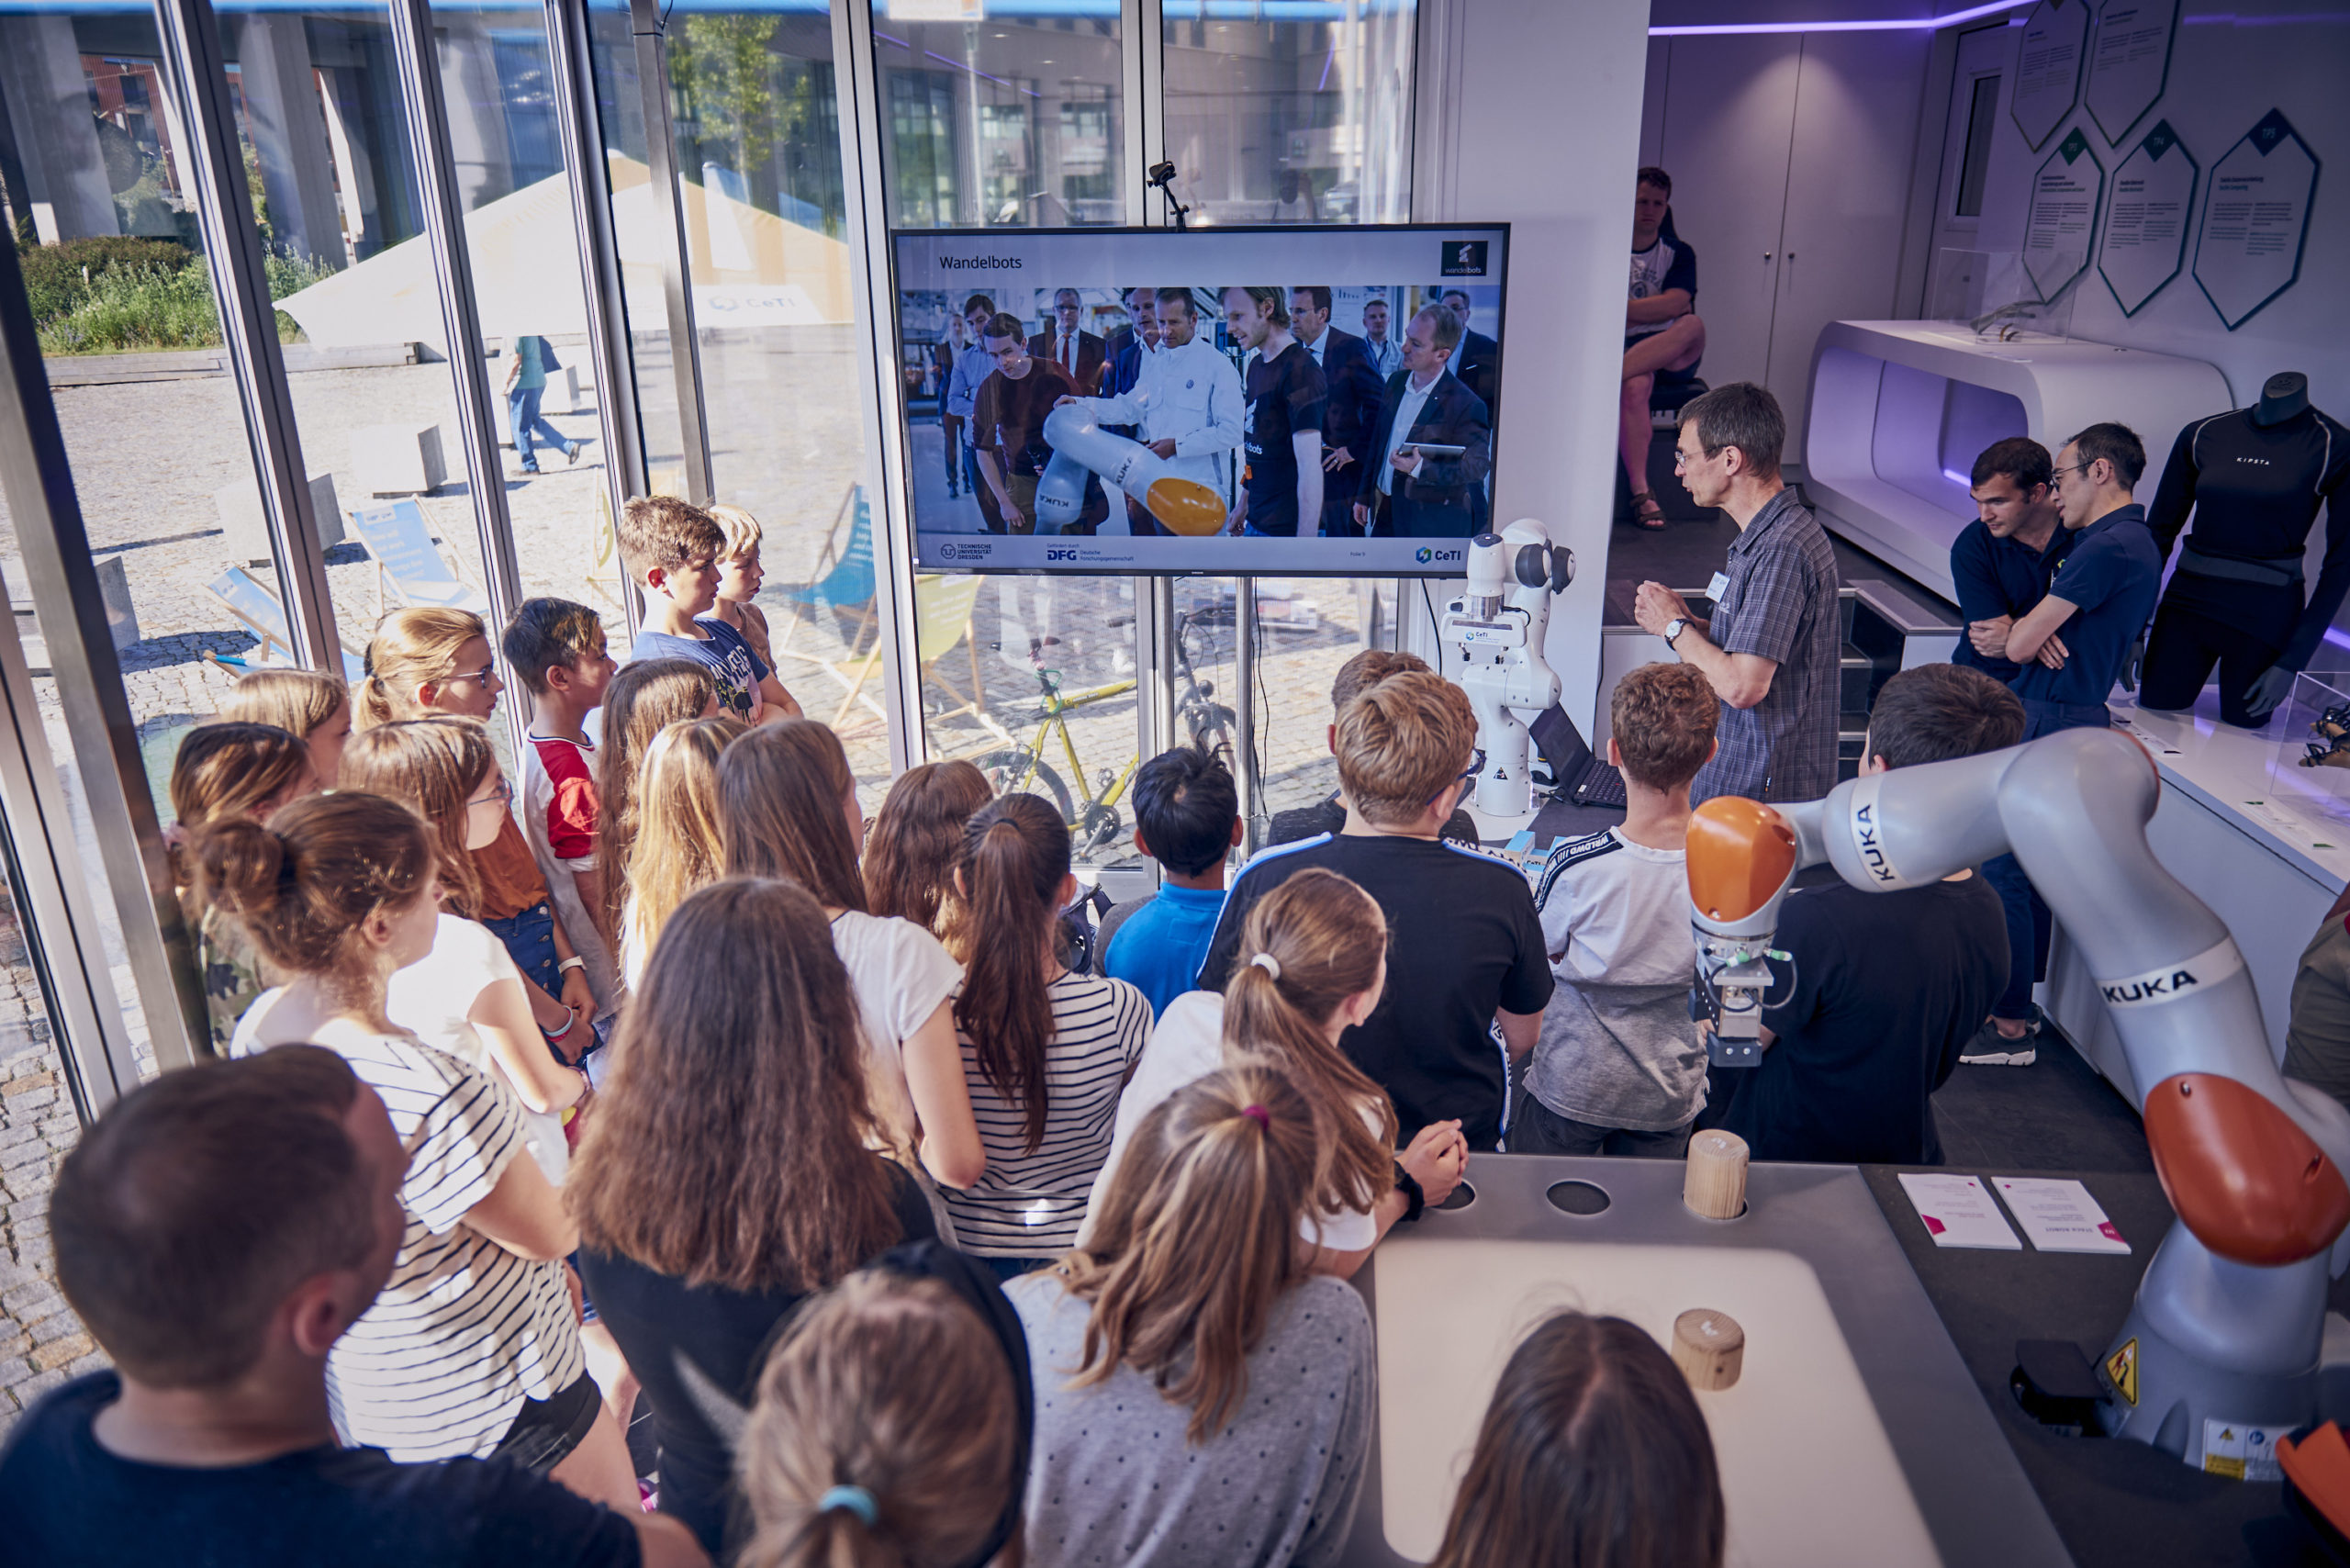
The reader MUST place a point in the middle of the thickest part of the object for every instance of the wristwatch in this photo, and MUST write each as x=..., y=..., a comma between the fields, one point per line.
x=577, y=962
x=1415, y=1200
x=1674, y=628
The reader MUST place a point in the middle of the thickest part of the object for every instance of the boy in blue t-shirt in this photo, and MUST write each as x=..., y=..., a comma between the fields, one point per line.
x=672, y=550
x=1187, y=817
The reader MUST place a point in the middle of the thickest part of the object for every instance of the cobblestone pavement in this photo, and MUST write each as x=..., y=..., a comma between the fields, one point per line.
x=150, y=458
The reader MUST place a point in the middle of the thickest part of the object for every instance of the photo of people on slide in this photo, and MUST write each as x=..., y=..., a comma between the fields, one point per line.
x=1200, y=411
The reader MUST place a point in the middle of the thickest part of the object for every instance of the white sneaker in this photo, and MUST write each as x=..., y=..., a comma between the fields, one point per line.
x=1991, y=1049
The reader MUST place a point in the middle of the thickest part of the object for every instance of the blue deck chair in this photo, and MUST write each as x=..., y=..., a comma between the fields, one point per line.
x=849, y=585
x=396, y=536
x=254, y=608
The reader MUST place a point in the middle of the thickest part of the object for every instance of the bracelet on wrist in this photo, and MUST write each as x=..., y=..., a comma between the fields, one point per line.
x=558, y=1034
x=1416, y=1198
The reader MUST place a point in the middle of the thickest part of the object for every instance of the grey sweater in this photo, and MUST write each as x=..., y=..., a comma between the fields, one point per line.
x=1115, y=1481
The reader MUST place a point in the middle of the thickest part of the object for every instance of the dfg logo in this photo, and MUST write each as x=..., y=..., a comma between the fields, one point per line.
x=1060, y=554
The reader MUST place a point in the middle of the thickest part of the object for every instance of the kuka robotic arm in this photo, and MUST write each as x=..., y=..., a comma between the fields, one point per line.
x=2252, y=1163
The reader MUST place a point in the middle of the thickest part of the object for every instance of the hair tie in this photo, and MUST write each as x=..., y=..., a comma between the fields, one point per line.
x=1270, y=964
x=852, y=1499
x=1258, y=1114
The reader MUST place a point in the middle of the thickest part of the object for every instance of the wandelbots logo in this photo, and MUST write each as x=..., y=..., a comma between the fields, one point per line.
x=1464, y=258
x=996, y=263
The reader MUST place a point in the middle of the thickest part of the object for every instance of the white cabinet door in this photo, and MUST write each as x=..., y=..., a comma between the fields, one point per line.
x=1728, y=119
x=1855, y=134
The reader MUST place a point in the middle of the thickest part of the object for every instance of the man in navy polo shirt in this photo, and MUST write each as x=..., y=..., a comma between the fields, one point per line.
x=1999, y=565
x=2072, y=646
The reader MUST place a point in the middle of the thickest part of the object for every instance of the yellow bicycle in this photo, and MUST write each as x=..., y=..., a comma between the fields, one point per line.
x=1092, y=812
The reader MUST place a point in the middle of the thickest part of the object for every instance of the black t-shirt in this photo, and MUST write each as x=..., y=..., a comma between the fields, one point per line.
x=1464, y=941
x=1010, y=415
x=71, y=1502
x=1287, y=395
x=1330, y=817
x=1887, y=988
x=660, y=1320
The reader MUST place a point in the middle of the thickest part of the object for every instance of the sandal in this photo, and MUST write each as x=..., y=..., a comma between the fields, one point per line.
x=1645, y=511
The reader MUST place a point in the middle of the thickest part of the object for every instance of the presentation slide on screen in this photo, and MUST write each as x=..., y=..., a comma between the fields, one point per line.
x=1125, y=401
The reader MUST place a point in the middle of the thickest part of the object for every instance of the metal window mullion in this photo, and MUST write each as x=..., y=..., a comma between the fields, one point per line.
x=445, y=229
x=38, y=484
x=232, y=251
x=618, y=416
x=881, y=389
x=646, y=20
x=1145, y=60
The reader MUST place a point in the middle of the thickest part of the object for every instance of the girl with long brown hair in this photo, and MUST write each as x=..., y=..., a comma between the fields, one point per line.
x=788, y=804
x=1046, y=1051
x=891, y=1427
x=678, y=832
x=472, y=1347
x=307, y=702
x=1201, y=1395
x=465, y=996
x=246, y=771
x=1594, y=1454
x=642, y=701
x=910, y=858
x=1315, y=952
x=724, y=1175
x=427, y=661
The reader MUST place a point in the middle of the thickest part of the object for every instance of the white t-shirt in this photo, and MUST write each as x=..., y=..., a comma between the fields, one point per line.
x=464, y=1330
x=433, y=997
x=1617, y=1048
x=900, y=973
x=1186, y=1045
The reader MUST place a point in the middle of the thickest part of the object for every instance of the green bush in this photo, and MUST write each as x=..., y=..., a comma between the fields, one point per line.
x=132, y=309
x=54, y=275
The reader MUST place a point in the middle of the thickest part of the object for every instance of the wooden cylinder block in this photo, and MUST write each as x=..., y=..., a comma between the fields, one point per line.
x=1708, y=1346
x=1714, y=1186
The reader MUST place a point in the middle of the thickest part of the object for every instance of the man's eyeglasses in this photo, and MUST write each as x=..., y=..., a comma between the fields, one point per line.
x=2056, y=474
x=502, y=795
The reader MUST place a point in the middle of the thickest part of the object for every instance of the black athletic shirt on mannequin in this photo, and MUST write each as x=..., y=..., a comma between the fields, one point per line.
x=2255, y=492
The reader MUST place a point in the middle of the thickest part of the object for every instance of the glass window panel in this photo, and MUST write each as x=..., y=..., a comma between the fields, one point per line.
x=1015, y=120
x=1297, y=121
x=1982, y=120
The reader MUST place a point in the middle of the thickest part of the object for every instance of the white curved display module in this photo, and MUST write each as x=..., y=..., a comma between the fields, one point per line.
x=1899, y=409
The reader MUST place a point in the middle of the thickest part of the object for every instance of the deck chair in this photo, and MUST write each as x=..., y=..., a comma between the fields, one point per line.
x=604, y=576
x=254, y=608
x=942, y=621
x=845, y=581
x=405, y=555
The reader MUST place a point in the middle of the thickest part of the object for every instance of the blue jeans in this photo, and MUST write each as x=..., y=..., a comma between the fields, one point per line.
x=2029, y=921
x=522, y=405
x=530, y=942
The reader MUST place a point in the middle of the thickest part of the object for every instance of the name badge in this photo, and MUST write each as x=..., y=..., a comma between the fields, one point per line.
x=1717, y=585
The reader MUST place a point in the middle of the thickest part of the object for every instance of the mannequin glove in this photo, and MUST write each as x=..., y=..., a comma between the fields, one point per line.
x=2271, y=686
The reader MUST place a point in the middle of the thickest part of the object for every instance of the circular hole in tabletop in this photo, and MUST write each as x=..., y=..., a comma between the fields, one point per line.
x=1460, y=1197
x=1578, y=1197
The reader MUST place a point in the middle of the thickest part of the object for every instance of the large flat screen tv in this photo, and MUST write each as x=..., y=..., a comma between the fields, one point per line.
x=1130, y=400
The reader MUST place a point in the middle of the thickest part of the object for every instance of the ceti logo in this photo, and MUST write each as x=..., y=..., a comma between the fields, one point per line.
x=1060, y=554
x=1425, y=556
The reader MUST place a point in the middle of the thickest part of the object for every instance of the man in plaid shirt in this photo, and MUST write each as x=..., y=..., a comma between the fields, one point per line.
x=1773, y=649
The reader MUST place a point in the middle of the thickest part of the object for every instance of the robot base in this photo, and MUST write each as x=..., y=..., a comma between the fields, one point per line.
x=2212, y=1346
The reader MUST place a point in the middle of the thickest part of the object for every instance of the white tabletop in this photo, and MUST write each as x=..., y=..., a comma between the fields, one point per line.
x=2227, y=769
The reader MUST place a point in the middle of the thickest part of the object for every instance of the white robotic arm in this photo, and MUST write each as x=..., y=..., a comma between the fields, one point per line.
x=1500, y=624
x=1080, y=445
x=2229, y=1317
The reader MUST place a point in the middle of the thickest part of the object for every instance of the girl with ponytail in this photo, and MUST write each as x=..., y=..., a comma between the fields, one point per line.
x=890, y=1431
x=1199, y=1389
x=472, y=1347
x=909, y=856
x=788, y=804
x=426, y=661
x=1046, y=1051
x=1315, y=952
x=642, y=701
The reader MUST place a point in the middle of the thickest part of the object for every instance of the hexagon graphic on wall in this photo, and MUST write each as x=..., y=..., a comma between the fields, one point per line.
x=2129, y=62
x=2144, y=243
x=2048, y=67
x=2256, y=219
x=2058, y=230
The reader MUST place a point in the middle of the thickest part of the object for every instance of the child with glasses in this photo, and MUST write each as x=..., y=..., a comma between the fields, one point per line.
x=426, y=661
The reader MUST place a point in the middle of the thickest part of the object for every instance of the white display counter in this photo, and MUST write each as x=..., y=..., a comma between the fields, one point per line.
x=2267, y=871
x=1900, y=408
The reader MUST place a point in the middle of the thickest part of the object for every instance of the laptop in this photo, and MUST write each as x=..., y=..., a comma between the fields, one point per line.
x=1583, y=779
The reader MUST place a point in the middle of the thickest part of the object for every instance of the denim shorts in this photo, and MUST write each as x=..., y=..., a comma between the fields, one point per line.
x=530, y=941
x=545, y=1431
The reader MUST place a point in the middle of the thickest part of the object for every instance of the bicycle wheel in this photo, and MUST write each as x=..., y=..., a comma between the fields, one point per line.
x=1023, y=772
